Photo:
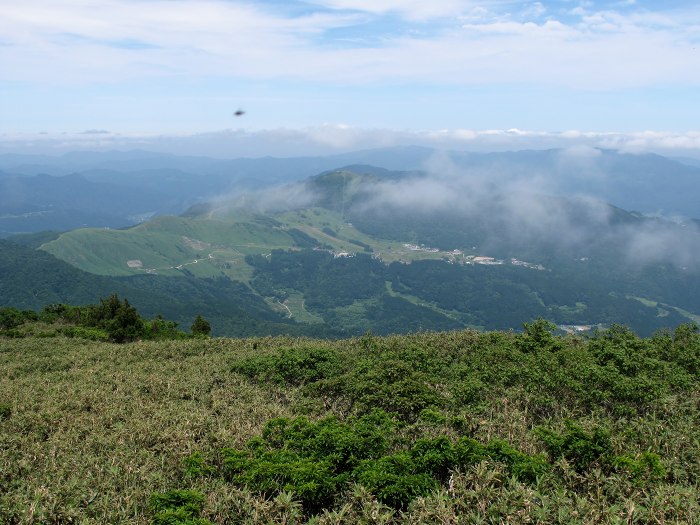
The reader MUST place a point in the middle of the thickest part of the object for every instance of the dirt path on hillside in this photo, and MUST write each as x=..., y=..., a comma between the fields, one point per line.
x=286, y=308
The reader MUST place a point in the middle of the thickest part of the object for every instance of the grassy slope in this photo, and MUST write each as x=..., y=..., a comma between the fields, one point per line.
x=313, y=220
x=89, y=431
x=31, y=279
x=167, y=245
x=95, y=428
x=218, y=242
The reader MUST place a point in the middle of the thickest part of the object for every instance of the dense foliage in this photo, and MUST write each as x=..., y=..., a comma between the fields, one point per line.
x=316, y=461
x=110, y=320
x=200, y=326
x=361, y=293
x=12, y=317
x=615, y=374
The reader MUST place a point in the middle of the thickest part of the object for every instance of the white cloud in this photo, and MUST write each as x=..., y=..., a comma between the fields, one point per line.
x=72, y=41
x=410, y=9
x=534, y=10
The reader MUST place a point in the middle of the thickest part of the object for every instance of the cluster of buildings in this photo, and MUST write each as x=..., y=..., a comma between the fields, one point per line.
x=421, y=248
x=482, y=259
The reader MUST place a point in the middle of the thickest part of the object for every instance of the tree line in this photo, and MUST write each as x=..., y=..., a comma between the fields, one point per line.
x=112, y=319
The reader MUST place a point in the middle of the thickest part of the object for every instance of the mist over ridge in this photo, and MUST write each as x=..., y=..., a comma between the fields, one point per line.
x=576, y=201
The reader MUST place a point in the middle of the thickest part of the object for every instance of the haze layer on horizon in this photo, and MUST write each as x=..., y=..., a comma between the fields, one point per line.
x=337, y=139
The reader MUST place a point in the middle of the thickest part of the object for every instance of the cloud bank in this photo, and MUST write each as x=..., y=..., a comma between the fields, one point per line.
x=330, y=139
x=506, y=209
x=521, y=211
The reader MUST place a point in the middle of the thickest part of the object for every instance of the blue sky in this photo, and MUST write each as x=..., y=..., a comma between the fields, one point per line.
x=135, y=68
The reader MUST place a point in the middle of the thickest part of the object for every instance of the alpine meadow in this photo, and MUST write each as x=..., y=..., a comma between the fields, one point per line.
x=349, y=262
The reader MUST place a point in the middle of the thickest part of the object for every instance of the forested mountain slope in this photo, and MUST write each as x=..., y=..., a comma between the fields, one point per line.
x=32, y=279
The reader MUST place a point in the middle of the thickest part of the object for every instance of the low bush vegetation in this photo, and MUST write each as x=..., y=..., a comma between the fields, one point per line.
x=178, y=507
x=292, y=366
x=317, y=460
x=458, y=427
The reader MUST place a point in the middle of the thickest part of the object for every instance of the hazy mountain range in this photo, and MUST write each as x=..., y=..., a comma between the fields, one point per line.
x=116, y=189
x=395, y=240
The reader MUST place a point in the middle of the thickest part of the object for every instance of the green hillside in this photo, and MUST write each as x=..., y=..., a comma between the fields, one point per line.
x=218, y=241
x=458, y=427
x=167, y=246
x=336, y=264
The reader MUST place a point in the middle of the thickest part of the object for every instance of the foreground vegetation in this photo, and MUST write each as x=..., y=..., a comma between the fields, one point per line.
x=457, y=427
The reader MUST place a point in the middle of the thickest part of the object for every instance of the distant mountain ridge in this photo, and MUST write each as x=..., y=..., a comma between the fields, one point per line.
x=132, y=186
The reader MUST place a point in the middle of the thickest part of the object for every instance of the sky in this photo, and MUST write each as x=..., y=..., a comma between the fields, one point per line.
x=331, y=75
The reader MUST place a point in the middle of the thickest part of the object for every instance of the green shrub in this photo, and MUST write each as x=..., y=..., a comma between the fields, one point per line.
x=395, y=479
x=469, y=390
x=126, y=326
x=435, y=456
x=307, y=365
x=190, y=501
x=313, y=481
x=291, y=366
x=178, y=507
x=200, y=327
x=161, y=329
x=645, y=468
x=13, y=333
x=432, y=417
x=585, y=449
x=538, y=335
x=576, y=445
x=67, y=314
x=521, y=465
x=390, y=385
x=81, y=332
x=118, y=319
x=685, y=348
x=177, y=517
x=12, y=317
x=196, y=466
x=315, y=461
x=5, y=411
